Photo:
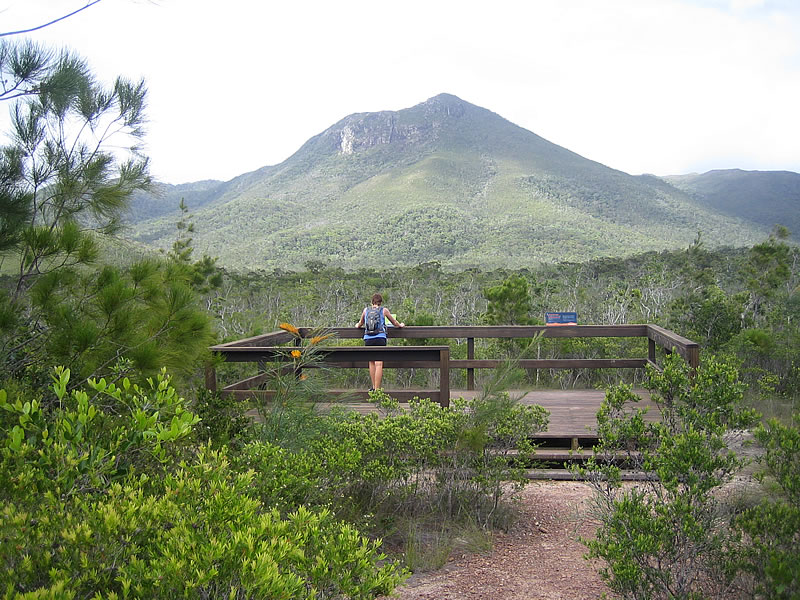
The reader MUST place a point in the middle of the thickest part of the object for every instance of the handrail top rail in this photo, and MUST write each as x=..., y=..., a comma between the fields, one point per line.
x=655, y=332
x=354, y=349
x=457, y=331
x=496, y=331
x=658, y=335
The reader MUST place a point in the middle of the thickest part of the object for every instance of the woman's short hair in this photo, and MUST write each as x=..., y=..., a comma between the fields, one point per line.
x=377, y=299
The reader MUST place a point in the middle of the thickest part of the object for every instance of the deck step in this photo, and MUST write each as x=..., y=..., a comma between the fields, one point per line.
x=565, y=475
x=562, y=454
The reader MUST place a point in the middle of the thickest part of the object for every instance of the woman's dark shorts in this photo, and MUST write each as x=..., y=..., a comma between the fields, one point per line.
x=381, y=341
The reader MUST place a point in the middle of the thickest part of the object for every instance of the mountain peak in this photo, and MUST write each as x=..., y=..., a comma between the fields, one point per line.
x=450, y=181
x=445, y=100
x=445, y=97
x=418, y=124
x=415, y=125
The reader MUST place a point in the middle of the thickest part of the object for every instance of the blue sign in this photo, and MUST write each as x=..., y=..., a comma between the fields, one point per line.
x=561, y=318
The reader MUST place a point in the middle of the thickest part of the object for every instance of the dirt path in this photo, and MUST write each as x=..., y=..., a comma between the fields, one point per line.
x=540, y=558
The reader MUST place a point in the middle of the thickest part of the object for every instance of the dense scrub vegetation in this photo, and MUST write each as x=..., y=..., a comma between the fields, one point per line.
x=742, y=303
x=121, y=476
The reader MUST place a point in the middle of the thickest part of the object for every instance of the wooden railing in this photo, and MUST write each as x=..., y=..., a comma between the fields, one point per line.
x=267, y=348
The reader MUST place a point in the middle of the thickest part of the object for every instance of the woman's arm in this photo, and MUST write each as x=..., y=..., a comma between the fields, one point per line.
x=360, y=323
x=389, y=316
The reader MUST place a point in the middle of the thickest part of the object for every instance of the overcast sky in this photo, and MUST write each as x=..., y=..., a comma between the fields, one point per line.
x=644, y=86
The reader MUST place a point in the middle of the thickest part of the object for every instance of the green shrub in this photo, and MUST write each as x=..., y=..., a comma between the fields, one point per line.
x=222, y=418
x=666, y=536
x=452, y=462
x=94, y=501
x=202, y=535
x=318, y=475
x=80, y=445
x=768, y=551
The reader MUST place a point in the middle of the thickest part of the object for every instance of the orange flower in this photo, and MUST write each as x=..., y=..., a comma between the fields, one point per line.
x=296, y=353
x=290, y=328
x=303, y=377
x=319, y=338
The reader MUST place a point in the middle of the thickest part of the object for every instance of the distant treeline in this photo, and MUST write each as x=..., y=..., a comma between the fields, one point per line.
x=743, y=302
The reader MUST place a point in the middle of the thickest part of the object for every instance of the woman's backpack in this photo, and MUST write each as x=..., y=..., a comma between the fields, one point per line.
x=374, y=322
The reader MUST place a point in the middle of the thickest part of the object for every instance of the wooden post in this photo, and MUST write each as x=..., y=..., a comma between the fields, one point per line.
x=651, y=350
x=211, y=378
x=693, y=358
x=444, y=377
x=470, y=356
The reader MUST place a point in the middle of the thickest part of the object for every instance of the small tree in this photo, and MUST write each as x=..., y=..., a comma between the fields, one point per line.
x=665, y=536
x=509, y=302
x=768, y=552
x=71, y=163
x=59, y=179
x=767, y=271
x=204, y=274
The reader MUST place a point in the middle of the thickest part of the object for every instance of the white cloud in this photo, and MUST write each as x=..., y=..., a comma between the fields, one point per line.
x=661, y=86
x=740, y=5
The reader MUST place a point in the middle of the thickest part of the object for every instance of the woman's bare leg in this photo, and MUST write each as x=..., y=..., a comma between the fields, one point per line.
x=376, y=373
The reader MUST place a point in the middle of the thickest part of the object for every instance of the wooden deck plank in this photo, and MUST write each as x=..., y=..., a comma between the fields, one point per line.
x=572, y=412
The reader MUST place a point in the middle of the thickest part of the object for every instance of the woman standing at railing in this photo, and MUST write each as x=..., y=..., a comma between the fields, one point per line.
x=373, y=320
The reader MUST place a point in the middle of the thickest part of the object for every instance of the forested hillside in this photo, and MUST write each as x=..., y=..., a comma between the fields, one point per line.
x=769, y=198
x=444, y=180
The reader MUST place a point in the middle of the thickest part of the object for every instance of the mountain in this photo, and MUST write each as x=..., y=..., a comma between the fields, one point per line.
x=444, y=180
x=765, y=197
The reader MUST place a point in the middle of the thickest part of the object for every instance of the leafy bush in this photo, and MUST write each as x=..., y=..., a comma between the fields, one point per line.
x=768, y=552
x=88, y=506
x=222, y=418
x=76, y=445
x=452, y=462
x=200, y=536
x=318, y=475
x=665, y=537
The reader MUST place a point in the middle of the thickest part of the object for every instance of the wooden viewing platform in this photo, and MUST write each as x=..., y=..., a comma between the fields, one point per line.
x=572, y=412
x=572, y=425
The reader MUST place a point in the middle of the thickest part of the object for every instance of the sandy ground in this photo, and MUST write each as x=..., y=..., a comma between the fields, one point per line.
x=539, y=558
